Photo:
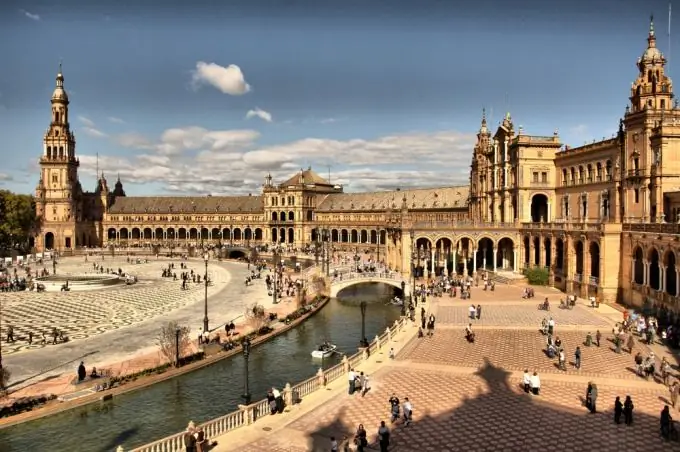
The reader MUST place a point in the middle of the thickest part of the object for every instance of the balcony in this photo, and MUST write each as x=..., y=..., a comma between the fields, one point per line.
x=655, y=228
x=563, y=226
x=632, y=173
x=537, y=183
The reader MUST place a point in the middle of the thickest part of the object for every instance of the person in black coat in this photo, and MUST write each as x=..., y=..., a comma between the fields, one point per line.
x=618, y=410
x=82, y=373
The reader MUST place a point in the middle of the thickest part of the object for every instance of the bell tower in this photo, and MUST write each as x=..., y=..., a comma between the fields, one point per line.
x=58, y=190
x=479, y=170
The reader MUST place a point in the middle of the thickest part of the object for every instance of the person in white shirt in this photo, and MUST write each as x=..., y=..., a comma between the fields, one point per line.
x=551, y=326
x=535, y=384
x=407, y=408
x=526, y=381
x=473, y=311
x=365, y=386
x=351, y=378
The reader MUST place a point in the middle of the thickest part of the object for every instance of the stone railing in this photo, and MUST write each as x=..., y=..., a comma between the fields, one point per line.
x=659, y=228
x=351, y=276
x=433, y=224
x=248, y=414
x=563, y=226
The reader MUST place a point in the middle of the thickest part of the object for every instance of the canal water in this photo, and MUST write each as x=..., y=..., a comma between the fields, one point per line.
x=163, y=409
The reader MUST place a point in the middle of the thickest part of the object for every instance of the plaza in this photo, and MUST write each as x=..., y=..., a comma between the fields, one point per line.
x=469, y=396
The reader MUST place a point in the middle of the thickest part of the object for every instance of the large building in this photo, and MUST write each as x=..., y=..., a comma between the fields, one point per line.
x=603, y=218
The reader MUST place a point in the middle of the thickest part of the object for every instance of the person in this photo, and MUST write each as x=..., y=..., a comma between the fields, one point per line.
x=360, y=439
x=334, y=444
x=82, y=373
x=628, y=410
x=618, y=410
x=383, y=436
x=591, y=398
x=666, y=422
x=674, y=390
x=526, y=381
x=394, y=410
x=535, y=384
x=365, y=385
x=469, y=334
x=189, y=440
x=407, y=408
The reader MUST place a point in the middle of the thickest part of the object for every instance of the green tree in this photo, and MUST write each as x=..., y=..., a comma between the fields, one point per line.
x=18, y=221
x=537, y=276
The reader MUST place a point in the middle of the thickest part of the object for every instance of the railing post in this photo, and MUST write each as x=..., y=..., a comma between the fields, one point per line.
x=288, y=395
x=248, y=413
x=120, y=449
x=377, y=343
x=345, y=364
x=389, y=334
x=397, y=325
x=321, y=377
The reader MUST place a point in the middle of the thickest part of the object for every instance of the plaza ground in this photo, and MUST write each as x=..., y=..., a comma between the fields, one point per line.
x=468, y=396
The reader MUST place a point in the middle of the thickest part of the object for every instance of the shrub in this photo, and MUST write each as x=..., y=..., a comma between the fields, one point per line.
x=537, y=276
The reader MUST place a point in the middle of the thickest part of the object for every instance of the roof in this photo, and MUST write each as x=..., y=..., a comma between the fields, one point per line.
x=416, y=199
x=307, y=176
x=186, y=204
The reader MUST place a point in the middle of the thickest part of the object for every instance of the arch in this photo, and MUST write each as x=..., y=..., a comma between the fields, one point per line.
x=291, y=216
x=248, y=234
x=315, y=236
x=226, y=234
x=671, y=283
x=275, y=216
x=147, y=234
x=536, y=258
x=344, y=236
x=49, y=241
x=565, y=179
x=363, y=236
x=158, y=233
x=506, y=254
x=638, y=266
x=422, y=260
x=215, y=233
x=527, y=250
x=182, y=234
x=275, y=235
x=111, y=234
x=49, y=152
x=594, y=250
x=282, y=234
x=539, y=208
x=193, y=234
x=171, y=233
x=547, y=251
x=282, y=215
x=258, y=234
x=291, y=235
x=354, y=236
x=578, y=251
x=485, y=253
x=559, y=254
x=338, y=286
x=654, y=268
x=374, y=237
x=443, y=256
x=334, y=235
x=236, y=254
x=383, y=236
x=136, y=234
x=205, y=234
x=237, y=234
x=124, y=233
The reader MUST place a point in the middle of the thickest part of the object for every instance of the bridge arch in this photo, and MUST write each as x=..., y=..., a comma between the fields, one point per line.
x=396, y=281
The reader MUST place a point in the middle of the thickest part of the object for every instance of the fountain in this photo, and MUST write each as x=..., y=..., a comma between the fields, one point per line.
x=77, y=283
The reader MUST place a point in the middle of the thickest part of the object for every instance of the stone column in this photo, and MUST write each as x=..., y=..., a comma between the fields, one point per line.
x=531, y=251
x=515, y=258
x=677, y=286
x=632, y=270
x=455, y=260
x=495, y=257
x=645, y=267
x=432, y=253
x=474, y=261
x=662, y=277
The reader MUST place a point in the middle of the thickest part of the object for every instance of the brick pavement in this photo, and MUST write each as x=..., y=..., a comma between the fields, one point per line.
x=520, y=349
x=521, y=315
x=85, y=314
x=482, y=412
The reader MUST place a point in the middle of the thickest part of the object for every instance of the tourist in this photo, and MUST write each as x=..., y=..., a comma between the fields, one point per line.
x=407, y=408
x=469, y=334
x=674, y=389
x=278, y=398
x=479, y=311
x=577, y=358
x=391, y=353
x=189, y=440
x=551, y=326
x=365, y=385
x=631, y=343
x=472, y=311
x=535, y=383
x=618, y=410
x=591, y=397
x=82, y=373
x=360, y=439
x=666, y=422
x=665, y=370
x=351, y=378
x=359, y=385
x=383, y=436
x=628, y=410
x=598, y=338
x=394, y=408
x=526, y=381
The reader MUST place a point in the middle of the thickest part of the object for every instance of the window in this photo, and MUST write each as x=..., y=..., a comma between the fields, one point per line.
x=637, y=195
x=55, y=178
x=535, y=176
x=544, y=177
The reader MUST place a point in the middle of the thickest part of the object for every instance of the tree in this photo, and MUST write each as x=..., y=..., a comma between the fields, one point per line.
x=256, y=317
x=19, y=221
x=4, y=378
x=537, y=276
x=168, y=341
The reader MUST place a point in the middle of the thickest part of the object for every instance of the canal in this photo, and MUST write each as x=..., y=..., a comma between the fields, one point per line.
x=165, y=408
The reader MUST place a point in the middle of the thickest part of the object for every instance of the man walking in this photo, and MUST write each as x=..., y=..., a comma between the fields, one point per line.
x=577, y=358
x=351, y=379
x=383, y=436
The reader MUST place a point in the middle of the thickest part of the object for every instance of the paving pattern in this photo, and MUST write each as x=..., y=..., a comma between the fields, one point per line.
x=84, y=314
x=465, y=398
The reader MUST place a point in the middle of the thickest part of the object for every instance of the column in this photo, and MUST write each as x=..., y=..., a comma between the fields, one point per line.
x=645, y=267
x=466, y=271
x=549, y=213
x=495, y=257
x=515, y=258
x=677, y=286
x=662, y=278
x=531, y=251
x=455, y=260
x=474, y=261
x=484, y=251
x=432, y=253
x=632, y=270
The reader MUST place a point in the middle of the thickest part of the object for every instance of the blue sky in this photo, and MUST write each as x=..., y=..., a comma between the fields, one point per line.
x=387, y=94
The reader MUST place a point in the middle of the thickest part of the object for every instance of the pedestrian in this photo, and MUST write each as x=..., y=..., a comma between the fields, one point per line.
x=351, y=378
x=334, y=444
x=407, y=408
x=383, y=437
x=618, y=410
x=577, y=358
x=551, y=326
x=598, y=337
x=394, y=408
x=526, y=381
x=365, y=385
x=472, y=312
x=391, y=353
x=674, y=390
x=592, y=397
x=189, y=440
x=30, y=337
x=631, y=343
x=535, y=384
x=628, y=410
x=479, y=311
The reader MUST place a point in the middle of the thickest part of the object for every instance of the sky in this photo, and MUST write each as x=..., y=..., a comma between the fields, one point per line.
x=208, y=97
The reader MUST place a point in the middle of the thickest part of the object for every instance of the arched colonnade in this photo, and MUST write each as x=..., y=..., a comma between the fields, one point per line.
x=139, y=234
x=656, y=268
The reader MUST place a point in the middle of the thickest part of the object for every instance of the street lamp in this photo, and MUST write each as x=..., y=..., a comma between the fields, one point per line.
x=362, y=306
x=246, y=353
x=177, y=333
x=0, y=338
x=413, y=263
x=205, y=305
x=275, y=256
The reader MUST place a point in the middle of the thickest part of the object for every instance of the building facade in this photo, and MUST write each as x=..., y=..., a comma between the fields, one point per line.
x=603, y=218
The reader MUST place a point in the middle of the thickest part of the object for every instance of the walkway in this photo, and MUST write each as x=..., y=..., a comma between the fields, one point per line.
x=122, y=323
x=468, y=396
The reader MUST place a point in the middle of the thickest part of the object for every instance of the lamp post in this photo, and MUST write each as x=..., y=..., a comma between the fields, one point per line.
x=246, y=354
x=248, y=236
x=362, y=306
x=177, y=333
x=0, y=337
x=54, y=263
x=326, y=238
x=276, y=275
x=205, y=301
x=413, y=263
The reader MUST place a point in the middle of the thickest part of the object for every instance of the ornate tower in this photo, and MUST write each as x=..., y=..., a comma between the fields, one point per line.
x=58, y=191
x=478, y=172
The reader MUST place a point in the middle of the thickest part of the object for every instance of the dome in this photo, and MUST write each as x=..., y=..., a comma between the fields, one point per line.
x=652, y=54
x=59, y=94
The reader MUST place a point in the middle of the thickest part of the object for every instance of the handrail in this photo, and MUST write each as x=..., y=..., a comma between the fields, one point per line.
x=367, y=275
x=249, y=414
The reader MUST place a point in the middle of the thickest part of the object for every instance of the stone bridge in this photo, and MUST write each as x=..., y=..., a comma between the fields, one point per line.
x=346, y=280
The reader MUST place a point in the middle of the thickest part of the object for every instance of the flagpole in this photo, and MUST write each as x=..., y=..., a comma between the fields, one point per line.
x=669, y=31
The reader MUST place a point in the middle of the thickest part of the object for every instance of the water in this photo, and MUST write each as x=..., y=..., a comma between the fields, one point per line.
x=165, y=408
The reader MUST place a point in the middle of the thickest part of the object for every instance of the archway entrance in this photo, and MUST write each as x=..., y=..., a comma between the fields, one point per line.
x=49, y=241
x=638, y=267
x=671, y=279
x=505, y=260
x=539, y=208
x=485, y=254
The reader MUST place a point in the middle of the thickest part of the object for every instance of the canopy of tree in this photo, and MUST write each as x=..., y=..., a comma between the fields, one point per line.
x=18, y=221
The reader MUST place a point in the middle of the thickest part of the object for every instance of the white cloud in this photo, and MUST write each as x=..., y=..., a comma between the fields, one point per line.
x=201, y=161
x=116, y=120
x=90, y=128
x=229, y=80
x=29, y=15
x=328, y=120
x=4, y=177
x=259, y=113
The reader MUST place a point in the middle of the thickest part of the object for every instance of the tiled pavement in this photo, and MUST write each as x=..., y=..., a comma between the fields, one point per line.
x=84, y=314
x=520, y=349
x=520, y=315
x=484, y=412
